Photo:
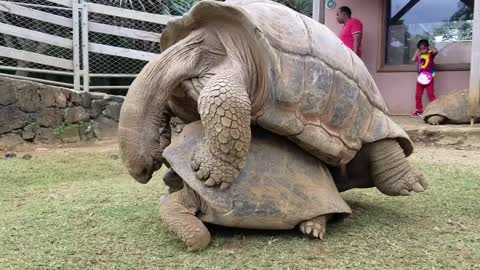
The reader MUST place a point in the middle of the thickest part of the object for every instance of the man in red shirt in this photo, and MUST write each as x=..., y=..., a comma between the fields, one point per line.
x=352, y=31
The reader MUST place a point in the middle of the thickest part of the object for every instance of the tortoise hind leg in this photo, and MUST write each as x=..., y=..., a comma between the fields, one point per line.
x=390, y=170
x=436, y=120
x=315, y=227
x=178, y=211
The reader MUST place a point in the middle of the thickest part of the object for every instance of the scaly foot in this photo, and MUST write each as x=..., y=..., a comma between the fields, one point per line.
x=214, y=170
x=412, y=181
x=315, y=227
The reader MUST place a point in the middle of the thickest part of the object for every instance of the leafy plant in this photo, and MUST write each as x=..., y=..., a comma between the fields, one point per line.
x=180, y=7
x=60, y=131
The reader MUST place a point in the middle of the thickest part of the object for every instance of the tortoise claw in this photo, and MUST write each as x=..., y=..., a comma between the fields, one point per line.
x=225, y=185
x=417, y=187
x=210, y=182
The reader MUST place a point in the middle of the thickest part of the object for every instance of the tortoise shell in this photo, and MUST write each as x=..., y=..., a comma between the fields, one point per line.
x=321, y=95
x=453, y=106
x=279, y=187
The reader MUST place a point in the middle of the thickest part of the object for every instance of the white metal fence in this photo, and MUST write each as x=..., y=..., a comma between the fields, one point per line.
x=78, y=44
x=97, y=45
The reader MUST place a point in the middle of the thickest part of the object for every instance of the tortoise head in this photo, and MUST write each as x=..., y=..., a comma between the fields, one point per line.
x=200, y=42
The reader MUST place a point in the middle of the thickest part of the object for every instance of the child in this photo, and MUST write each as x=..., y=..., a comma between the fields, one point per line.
x=426, y=70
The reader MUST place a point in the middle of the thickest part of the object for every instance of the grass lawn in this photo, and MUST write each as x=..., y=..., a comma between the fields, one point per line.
x=82, y=211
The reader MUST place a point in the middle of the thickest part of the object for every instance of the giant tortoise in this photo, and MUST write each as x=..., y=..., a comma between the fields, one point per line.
x=281, y=187
x=240, y=63
x=449, y=109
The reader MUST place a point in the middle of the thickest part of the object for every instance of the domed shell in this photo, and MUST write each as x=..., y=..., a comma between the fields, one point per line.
x=319, y=88
x=279, y=187
x=453, y=106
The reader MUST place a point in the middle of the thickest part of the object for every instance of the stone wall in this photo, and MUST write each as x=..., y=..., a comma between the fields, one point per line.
x=37, y=113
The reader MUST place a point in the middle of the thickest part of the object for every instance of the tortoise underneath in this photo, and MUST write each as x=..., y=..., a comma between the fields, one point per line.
x=280, y=188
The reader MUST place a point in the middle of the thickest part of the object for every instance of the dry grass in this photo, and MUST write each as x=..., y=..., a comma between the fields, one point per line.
x=82, y=211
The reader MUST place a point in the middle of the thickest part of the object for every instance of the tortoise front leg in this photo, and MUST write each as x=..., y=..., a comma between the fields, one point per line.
x=178, y=211
x=224, y=108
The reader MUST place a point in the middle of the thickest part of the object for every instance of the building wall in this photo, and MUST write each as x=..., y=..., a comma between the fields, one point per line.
x=398, y=88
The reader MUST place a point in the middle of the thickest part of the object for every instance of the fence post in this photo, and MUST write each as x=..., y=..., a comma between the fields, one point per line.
x=76, y=44
x=85, y=46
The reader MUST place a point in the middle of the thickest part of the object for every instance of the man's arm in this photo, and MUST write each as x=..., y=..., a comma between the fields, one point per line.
x=357, y=40
x=357, y=33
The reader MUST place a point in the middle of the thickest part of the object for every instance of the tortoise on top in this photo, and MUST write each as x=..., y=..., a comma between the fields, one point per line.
x=236, y=63
x=448, y=109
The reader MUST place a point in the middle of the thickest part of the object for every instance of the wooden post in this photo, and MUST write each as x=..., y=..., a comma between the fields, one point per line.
x=318, y=11
x=474, y=98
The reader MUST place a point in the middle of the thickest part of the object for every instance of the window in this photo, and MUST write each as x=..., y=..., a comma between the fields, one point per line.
x=447, y=24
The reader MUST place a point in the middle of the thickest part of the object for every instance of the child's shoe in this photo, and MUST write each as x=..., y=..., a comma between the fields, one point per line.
x=416, y=114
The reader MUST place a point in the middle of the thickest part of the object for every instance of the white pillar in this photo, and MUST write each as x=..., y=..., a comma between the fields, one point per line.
x=76, y=45
x=474, y=99
x=318, y=11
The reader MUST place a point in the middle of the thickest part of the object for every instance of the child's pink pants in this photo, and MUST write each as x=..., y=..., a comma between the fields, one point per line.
x=430, y=94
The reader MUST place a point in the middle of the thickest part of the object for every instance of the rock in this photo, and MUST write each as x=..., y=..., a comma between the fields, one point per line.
x=28, y=135
x=30, y=130
x=27, y=157
x=118, y=99
x=10, y=140
x=12, y=118
x=10, y=155
x=97, y=108
x=75, y=115
x=28, y=99
x=49, y=117
x=46, y=136
x=71, y=134
x=60, y=99
x=7, y=92
x=47, y=96
x=86, y=132
x=105, y=128
x=75, y=98
x=112, y=110
x=97, y=95
x=114, y=157
x=32, y=127
x=86, y=100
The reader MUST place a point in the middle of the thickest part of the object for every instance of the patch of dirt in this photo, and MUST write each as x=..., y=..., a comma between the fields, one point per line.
x=46, y=149
x=422, y=153
x=450, y=156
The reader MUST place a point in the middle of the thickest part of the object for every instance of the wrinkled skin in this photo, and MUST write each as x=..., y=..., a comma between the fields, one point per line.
x=224, y=77
x=224, y=106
